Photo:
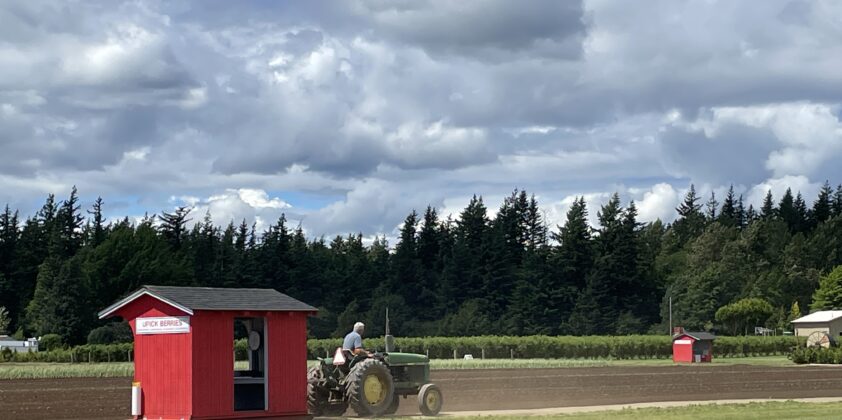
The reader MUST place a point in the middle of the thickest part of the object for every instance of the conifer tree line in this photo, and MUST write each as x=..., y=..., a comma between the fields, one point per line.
x=469, y=275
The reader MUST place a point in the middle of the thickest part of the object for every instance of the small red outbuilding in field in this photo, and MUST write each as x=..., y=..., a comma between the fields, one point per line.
x=692, y=347
x=184, y=352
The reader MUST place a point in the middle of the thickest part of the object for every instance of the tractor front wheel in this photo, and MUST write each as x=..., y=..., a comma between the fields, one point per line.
x=430, y=400
x=369, y=388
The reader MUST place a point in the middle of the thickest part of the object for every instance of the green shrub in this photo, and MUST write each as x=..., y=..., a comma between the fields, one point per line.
x=50, y=342
x=565, y=347
x=241, y=349
x=115, y=332
x=829, y=356
x=6, y=355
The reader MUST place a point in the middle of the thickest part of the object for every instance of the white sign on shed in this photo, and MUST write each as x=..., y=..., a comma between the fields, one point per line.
x=163, y=325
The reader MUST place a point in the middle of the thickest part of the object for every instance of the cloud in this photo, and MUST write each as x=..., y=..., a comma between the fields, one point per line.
x=355, y=113
x=491, y=30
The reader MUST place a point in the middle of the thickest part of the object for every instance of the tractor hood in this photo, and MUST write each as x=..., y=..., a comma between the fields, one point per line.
x=396, y=359
x=406, y=359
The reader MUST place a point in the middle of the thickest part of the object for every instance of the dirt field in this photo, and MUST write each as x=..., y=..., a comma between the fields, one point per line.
x=470, y=390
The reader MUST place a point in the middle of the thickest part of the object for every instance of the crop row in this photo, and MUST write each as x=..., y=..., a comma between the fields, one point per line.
x=491, y=347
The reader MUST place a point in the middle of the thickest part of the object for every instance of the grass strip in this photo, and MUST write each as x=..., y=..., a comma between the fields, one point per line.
x=766, y=411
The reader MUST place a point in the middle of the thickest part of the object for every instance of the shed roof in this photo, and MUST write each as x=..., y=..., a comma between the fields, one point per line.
x=696, y=335
x=820, y=316
x=188, y=299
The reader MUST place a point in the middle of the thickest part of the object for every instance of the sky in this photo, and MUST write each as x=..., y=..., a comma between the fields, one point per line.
x=346, y=115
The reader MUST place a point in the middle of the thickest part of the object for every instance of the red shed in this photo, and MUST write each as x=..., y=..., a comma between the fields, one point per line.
x=184, y=352
x=692, y=347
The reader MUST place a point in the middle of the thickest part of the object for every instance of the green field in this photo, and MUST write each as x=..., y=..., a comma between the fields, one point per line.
x=124, y=369
x=766, y=411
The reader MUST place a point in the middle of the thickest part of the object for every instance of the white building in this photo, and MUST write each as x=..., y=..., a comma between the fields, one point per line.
x=18, y=346
x=828, y=322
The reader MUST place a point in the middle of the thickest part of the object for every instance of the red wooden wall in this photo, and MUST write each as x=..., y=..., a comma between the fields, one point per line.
x=213, y=363
x=683, y=352
x=162, y=362
x=288, y=362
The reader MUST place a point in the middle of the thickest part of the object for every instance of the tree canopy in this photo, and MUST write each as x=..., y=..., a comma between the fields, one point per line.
x=478, y=272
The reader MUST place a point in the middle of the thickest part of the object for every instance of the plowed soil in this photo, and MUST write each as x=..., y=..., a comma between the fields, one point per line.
x=471, y=390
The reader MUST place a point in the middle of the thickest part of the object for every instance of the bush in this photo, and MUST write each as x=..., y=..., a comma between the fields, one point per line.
x=830, y=356
x=115, y=332
x=93, y=353
x=50, y=342
x=6, y=355
x=565, y=347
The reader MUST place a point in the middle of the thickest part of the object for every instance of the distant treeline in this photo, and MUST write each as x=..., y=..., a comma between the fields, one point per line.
x=474, y=275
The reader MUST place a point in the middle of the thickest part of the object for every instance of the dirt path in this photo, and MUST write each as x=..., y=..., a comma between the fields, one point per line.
x=482, y=390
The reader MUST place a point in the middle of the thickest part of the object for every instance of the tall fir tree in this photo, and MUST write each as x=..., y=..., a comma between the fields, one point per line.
x=767, y=210
x=837, y=201
x=823, y=206
x=711, y=207
x=690, y=221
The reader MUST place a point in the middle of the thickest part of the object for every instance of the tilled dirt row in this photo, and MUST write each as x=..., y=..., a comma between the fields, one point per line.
x=471, y=390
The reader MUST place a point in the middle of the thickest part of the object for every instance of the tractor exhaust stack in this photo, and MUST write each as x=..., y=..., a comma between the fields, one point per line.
x=389, y=340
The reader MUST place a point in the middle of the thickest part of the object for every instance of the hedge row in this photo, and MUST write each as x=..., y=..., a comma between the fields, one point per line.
x=93, y=353
x=495, y=347
x=802, y=355
x=565, y=347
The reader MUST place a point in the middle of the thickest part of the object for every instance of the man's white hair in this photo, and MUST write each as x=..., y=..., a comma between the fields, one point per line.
x=359, y=326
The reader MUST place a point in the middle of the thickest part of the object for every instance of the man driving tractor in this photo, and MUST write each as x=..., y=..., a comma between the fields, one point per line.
x=354, y=340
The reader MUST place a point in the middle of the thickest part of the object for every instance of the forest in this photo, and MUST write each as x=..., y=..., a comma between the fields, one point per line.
x=725, y=266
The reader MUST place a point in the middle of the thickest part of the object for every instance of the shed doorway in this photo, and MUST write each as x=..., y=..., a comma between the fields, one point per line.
x=250, y=377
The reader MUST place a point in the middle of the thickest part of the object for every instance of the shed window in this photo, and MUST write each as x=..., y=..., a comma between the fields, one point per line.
x=250, y=374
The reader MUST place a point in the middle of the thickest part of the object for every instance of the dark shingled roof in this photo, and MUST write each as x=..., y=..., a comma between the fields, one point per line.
x=217, y=299
x=220, y=298
x=697, y=335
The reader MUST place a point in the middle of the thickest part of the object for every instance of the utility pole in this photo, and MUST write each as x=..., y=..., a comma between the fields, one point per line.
x=670, y=316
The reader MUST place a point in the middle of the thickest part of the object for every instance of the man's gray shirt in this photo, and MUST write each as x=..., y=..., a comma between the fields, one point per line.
x=353, y=341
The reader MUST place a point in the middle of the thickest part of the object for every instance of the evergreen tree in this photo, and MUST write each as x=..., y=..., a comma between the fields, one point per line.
x=406, y=268
x=768, y=211
x=9, y=237
x=711, y=207
x=751, y=215
x=573, y=257
x=823, y=206
x=68, y=235
x=801, y=220
x=729, y=216
x=98, y=228
x=690, y=221
x=58, y=305
x=829, y=294
x=742, y=215
x=837, y=201
x=607, y=277
x=174, y=226
x=469, y=250
x=787, y=211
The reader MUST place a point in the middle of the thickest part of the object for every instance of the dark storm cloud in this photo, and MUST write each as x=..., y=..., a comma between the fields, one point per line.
x=494, y=30
x=734, y=152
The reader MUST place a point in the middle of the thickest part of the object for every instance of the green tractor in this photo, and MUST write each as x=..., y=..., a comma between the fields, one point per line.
x=371, y=386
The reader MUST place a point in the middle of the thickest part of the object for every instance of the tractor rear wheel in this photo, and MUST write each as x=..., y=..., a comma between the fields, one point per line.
x=369, y=388
x=335, y=409
x=393, y=407
x=316, y=396
x=430, y=400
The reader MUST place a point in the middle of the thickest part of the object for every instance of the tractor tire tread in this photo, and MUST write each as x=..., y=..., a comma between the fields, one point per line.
x=354, y=387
